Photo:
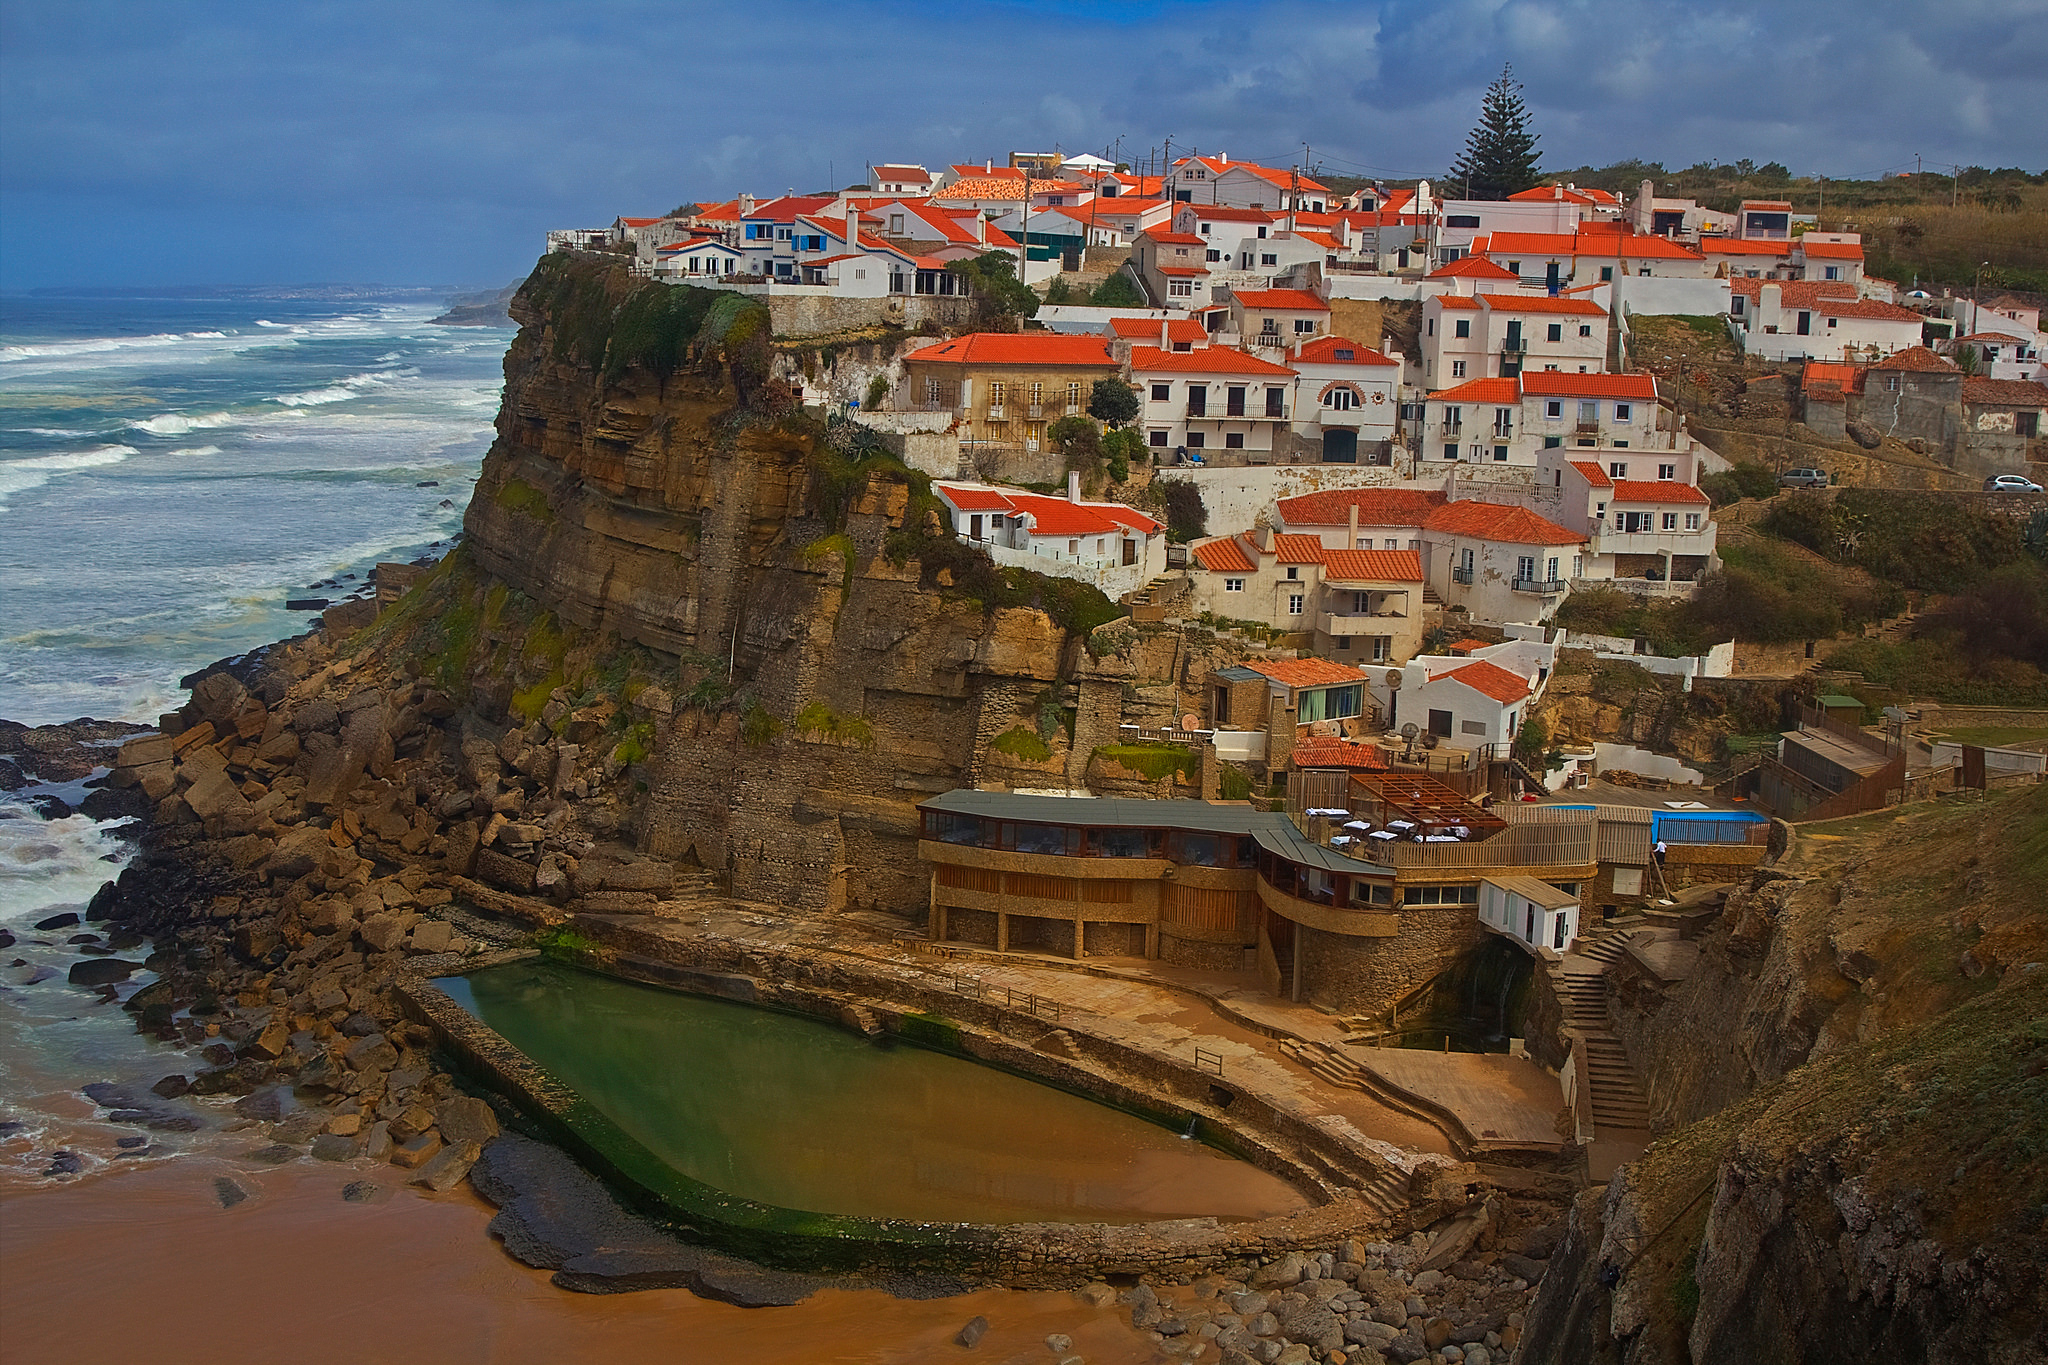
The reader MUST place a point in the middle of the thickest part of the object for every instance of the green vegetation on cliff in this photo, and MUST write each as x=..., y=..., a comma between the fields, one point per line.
x=612, y=321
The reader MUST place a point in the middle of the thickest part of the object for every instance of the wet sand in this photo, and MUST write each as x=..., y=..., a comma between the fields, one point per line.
x=147, y=1261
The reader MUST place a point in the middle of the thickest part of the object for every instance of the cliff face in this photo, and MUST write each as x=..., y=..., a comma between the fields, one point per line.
x=1854, y=1075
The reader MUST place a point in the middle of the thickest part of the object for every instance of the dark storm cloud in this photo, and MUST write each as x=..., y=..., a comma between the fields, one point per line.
x=436, y=141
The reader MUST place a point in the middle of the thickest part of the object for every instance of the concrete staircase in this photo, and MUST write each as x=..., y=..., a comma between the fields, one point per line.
x=1387, y=1190
x=1615, y=1096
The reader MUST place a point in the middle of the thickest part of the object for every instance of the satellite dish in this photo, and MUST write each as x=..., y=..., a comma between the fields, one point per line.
x=1410, y=731
x=1394, y=678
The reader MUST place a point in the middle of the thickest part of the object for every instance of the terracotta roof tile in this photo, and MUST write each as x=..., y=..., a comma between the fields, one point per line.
x=1472, y=268
x=1171, y=238
x=1558, y=384
x=1541, y=303
x=1327, y=350
x=974, y=499
x=1657, y=490
x=2014, y=393
x=1917, y=358
x=1012, y=348
x=1224, y=555
x=1499, y=522
x=1489, y=679
x=1178, y=329
x=1480, y=391
x=1373, y=566
x=1306, y=672
x=1821, y=372
x=1204, y=360
x=1058, y=517
x=1325, y=751
x=1297, y=549
x=1592, y=473
x=1833, y=251
x=1467, y=646
x=983, y=187
x=1376, y=507
x=1456, y=301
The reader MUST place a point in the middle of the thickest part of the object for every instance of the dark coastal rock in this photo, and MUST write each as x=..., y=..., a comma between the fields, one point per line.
x=554, y=1215
x=102, y=971
x=65, y=1163
x=50, y=807
x=63, y=921
x=266, y=1105
x=170, y=1087
x=6, y=939
x=970, y=1336
x=228, y=1192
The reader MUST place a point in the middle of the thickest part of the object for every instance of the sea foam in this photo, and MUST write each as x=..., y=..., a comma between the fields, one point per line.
x=178, y=423
x=18, y=476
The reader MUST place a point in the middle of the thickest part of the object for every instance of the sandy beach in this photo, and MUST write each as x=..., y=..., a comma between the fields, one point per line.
x=90, y=1270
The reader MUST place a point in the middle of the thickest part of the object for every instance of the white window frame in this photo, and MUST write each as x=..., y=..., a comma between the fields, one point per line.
x=1233, y=585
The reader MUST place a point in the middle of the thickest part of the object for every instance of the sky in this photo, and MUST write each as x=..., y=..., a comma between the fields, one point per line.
x=176, y=142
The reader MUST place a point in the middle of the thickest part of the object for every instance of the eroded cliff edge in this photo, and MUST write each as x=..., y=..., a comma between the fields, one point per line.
x=1854, y=1075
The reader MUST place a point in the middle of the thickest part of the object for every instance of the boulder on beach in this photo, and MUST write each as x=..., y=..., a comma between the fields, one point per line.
x=102, y=971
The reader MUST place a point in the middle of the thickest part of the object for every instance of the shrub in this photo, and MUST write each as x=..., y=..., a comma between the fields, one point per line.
x=1118, y=291
x=520, y=497
x=1233, y=785
x=1153, y=761
x=758, y=727
x=878, y=393
x=998, y=294
x=1745, y=480
x=1059, y=291
x=1186, y=519
x=819, y=722
x=1020, y=742
x=1113, y=402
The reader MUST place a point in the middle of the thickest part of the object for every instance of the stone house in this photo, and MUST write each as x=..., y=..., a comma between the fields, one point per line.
x=1005, y=387
x=1172, y=268
x=1355, y=606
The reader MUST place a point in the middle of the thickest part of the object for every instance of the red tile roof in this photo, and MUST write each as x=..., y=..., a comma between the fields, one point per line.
x=1373, y=566
x=1489, y=679
x=1541, y=303
x=1797, y=293
x=1742, y=246
x=975, y=499
x=1820, y=372
x=1592, y=473
x=1376, y=507
x=1058, y=517
x=1171, y=238
x=903, y=173
x=1182, y=269
x=1206, y=360
x=1870, y=310
x=1467, y=646
x=1498, y=522
x=1303, y=299
x=1657, y=490
x=1297, y=549
x=1568, y=194
x=1481, y=391
x=2012, y=393
x=1456, y=301
x=983, y=186
x=1329, y=350
x=993, y=172
x=1590, y=240
x=1177, y=329
x=1224, y=555
x=1917, y=358
x=1558, y=384
x=1324, y=751
x=1472, y=268
x=1012, y=348
x=1306, y=672
x=1833, y=251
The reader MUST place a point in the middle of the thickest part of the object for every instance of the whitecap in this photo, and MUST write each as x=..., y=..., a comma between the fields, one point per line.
x=179, y=424
x=58, y=433
x=266, y=322
x=18, y=476
x=338, y=392
x=197, y=452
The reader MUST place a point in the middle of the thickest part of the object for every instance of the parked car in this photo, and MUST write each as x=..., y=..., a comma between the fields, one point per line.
x=2011, y=483
x=1803, y=478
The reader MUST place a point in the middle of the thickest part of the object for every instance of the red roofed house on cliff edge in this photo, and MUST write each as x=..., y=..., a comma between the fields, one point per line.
x=1117, y=548
x=1500, y=563
x=1005, y=387
x=1288, y=700
x=1355, y=606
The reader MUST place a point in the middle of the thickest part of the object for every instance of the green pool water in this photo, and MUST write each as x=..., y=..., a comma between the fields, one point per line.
x=788, y=1111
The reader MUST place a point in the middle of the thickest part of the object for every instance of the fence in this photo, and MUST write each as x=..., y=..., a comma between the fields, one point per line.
x=1037, y=1006
x=1210, y=1062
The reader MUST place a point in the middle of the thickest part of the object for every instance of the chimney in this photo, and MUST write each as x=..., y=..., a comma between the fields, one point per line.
x=1352, y=542
x=746, y=204
x=1165, y=338
x=852, y=226
x=1646, y=206
x=981, y=228
x=1223, y=158
x=1073, y=485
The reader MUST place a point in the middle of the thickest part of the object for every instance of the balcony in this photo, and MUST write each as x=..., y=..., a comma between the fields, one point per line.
x=997, y=413
x=1451, y=430
x=1504, y=431
x=1587, y=426
x=1609, y=542
x=1463, y=576
x=1543, y=587
x=1198, y=409
x=1358, y=623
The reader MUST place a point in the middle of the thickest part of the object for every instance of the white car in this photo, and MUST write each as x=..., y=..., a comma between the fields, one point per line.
x=2011, y=483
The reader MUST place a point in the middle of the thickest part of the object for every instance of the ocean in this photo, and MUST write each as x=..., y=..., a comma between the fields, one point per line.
x=172, y=470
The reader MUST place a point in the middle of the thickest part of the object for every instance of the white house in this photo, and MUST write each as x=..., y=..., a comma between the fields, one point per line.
x=1210, y=398
x=903, y=179
x=1809, y=320
x=697, y=261
x=1243, y=184
x=1490, y=336
x=1478, y=701
x=1596, y=253
x=1276, y=318
x=1172, y=267
x=1360, y=606
x=1500, y=562
x=1532, y=914
x=1507, y=421
x=1348, y=397
x=1361, y=518
x=1117, y=548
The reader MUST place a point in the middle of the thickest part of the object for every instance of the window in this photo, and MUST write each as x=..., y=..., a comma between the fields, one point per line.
x=1304, y=327
x=1585, y=329
x=931, y=391
x=995, y=393
x=1834, y=272
x=1196, y=440
x=1073, y=394
x=1233, y=401
x=1294, y=604
x=1554, y=408
x=782, y=234
x=1606, y=273
x=1215, y=255
x=1268, y=258
x=1670, y=521
x=1180, y=289
x=1552, y=442
x=1294, y=571
x=1342, y=400
x=1233, y=441
x=1037, y=393
x=1233, y=585
x=1451, y=452
x=1074, y=548
x=1692, y=521
x=1472, y=727
x=1457, y=369
x=1461, y=220
x=1432, y=327
x=1525, y=567
x=1555, y=332
x=1156, y=437
x=1514, y=267
x=1382, y=648
x=1162, y=392
x=1667, y=471
x=1464, y=327
x=1275, y=397
x=1202, y=228
x=1622, y=412
x=1834, y=322
x=1617, y=470
x=1328, y=703
x=1500, y=454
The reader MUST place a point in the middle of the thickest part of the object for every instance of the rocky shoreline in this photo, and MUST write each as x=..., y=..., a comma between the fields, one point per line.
x=315, y=826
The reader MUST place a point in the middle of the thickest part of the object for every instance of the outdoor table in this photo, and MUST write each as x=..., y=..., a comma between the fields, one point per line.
x=1358, y=824
x=1383, y=834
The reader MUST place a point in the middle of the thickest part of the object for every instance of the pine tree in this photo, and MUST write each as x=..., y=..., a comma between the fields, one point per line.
x=1500, y=154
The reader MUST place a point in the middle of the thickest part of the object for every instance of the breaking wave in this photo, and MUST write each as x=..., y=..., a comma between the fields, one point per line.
x=18, y=476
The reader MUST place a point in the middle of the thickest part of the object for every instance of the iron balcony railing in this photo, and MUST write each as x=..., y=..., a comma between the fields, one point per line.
x=1548, y=587
x=1462, y=576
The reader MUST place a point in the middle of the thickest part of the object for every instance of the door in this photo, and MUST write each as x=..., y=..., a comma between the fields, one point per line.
x=1198, y=400
x=974, y=527
x=1130, y=552
x=1552, y=281
x=1340, y=446
x=1440, y=723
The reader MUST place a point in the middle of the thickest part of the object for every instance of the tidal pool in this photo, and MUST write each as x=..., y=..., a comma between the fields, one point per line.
x=788, y=1111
